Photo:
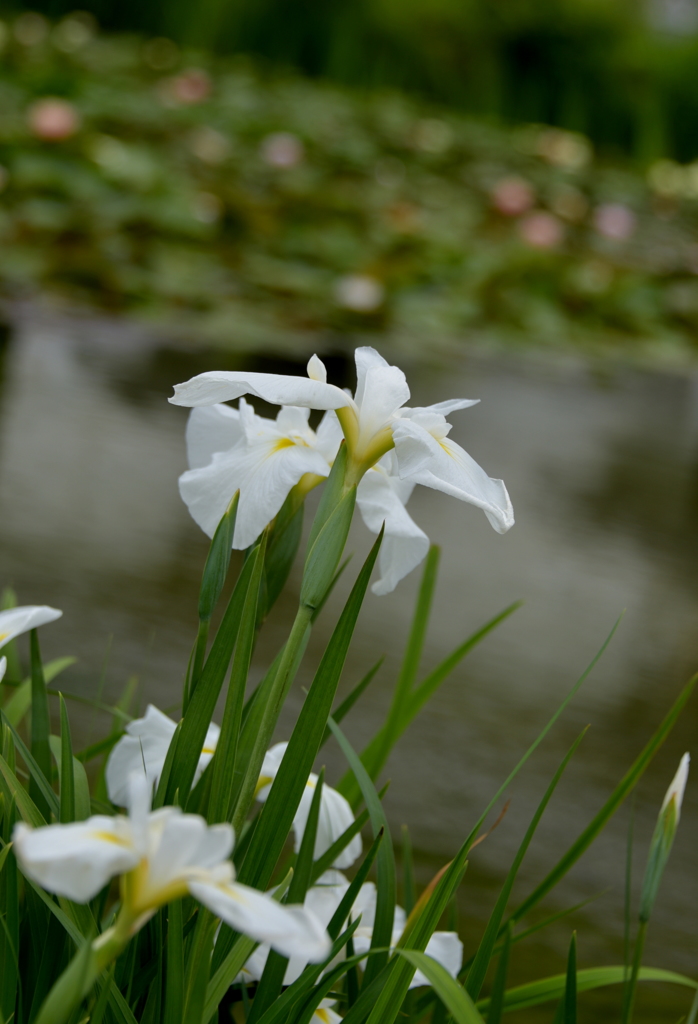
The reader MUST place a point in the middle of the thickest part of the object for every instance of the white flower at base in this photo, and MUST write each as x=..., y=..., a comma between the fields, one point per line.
x=271, y=457
x=161, y=856
x=142, y=751
x=335, y=812
x=14, y=621
x=267, y=460
x=325, y=1014
x=323, y=899
x=445, y=947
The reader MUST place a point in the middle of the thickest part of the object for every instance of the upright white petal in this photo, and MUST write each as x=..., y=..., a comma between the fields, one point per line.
x=14, y=621
x=334, y=819
x=678, y=785
x=3, y=668
x=75, y=860
x=447, y=949
x=381, y=390
x=287, y=929
x=381, y=498
x=444, y=466
x=317, y=369
x=219, y=386
x=143, y=750
x=211, y=429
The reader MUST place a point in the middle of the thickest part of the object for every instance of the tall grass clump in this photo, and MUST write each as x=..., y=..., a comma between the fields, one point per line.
x=202, y=876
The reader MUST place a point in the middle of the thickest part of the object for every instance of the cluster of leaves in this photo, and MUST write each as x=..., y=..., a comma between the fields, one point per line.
x=178, y=967
x=252, y=209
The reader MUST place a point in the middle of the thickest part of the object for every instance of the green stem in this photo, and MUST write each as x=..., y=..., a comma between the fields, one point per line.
x=631, y=986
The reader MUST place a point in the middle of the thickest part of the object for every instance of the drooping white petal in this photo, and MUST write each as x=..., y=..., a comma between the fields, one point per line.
x=211, y=429
x=15, y=621
x=329, y=436
x=287, y=929
x=678, y=785
x=447, y=407
x=447, y=949
x=444, y=466
x=75, y=860
x=278, y=389
x=3, y=668
x=381, y=498
x=263, y=470
x=270, y=766
x=335, y=817
x=322, y=900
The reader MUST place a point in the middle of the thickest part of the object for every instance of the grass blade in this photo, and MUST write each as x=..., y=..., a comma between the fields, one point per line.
x=476, y=974
x=386, y=884
x=624, y=787
x=40, y=726
x=67, y=777
x=500, y=981
x=548, y=990
x=461, y=1006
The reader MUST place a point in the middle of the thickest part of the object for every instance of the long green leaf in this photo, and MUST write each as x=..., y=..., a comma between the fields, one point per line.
x=280, y=807
x=37, y=775
x=386, y=887
x=20, y=701
x=67, y=777
x=395, y=986
x=348, y=703
x=500, y=981
x=40, y=727
x=476, y=974
x=275, y=968
x=448, y=990
x=224, y=765
x=376, y=752
x=624, y=787
x=203, y=701
x=548, y=990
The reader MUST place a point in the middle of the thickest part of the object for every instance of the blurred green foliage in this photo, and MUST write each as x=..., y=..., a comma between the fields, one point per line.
x=624, y=72
x=256, y=209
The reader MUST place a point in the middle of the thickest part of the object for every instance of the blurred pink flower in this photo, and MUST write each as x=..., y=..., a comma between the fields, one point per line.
x=281, y=149
x=53, y=119
x=513, y=196
x=614, y=220
x=541, y=230
x=190, y=87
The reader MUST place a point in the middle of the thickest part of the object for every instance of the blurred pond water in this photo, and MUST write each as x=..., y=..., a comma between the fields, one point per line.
x=603, y=473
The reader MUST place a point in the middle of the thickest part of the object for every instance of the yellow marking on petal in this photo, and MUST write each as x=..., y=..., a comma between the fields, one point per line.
x=283, y=442
x=109, y=837
x=3, y=636
x=208, y=750
x=264, y=780
x=311, y=784
x=323, y=1015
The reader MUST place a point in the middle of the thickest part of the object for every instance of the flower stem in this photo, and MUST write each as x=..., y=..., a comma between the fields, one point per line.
x=631, y=986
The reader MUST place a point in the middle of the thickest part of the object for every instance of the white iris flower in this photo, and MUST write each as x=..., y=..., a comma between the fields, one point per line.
x=335, y=815
x=14, y=621
x=161, y=856
x=323, y=899
x=142, y=751
x=391, y=448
